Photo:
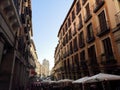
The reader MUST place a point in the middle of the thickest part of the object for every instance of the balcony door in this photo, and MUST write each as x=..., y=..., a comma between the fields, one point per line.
x=107, y=48
x=102, y=21
x=94, y=68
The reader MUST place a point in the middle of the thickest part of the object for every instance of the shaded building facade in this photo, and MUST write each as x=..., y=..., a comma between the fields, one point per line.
x=15, y=39
x=87, y=40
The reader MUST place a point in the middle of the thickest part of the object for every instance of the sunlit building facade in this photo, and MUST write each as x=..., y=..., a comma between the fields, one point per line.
x=45, y=68
x=89, y=40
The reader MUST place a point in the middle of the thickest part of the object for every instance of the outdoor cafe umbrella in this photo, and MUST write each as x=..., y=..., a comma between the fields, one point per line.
x=102, y=77
x=65, y=82
x=81, y=80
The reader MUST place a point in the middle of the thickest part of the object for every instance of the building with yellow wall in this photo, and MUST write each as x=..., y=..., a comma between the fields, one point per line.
x=87, y=40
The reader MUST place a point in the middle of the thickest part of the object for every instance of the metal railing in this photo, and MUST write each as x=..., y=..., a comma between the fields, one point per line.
x=117, y=18
x=98, y=4
x=101, y=29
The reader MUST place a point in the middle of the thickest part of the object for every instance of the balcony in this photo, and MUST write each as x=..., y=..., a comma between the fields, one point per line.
x=25, y=30
x=98, y=4
x=70, y=37
x=74, y=32
x=28, y=11
x=87, y=17
x=21, y=45
x=63, y=42
x=71, y=52
x=10, y=11
x=90, y=39
x=80, y=25
x=107, y=60
x=64, y=55
x=23, y=18
x=75, y=49
x=103, y=29
x=84, y=1
x=92, y=62
x=78, y=10
x=83, y=63
x=16, y=3
x=82, y=45
x=117, y=18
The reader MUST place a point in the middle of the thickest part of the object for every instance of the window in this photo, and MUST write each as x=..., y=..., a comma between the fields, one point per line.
x=75, y=44
x=108, y=49
x=103, y=26
x=70, y=34
x=102, y=21
x=73, y=15
x=63, y=31
x=68, y=66
x=25, y=30
x=23, y=18
x=69, y=22
x=117, y=18
x=88, y=14
x=119, y=3
x=74, y=30
x=83, y=63
x=67, y=38
x=17, y=5
x=64, y=41
x=90, y=36
x=73, y=67
x=76, y=59
x=78, y=7
x=92, y=62
x=84, y=1
x=71, y=48
x=80, y=22
x=82, y=56
x=81, y=40
x=77, y=64
x=66, y=27
x=98, y=4
x=92, y=55
x=21, y=44
x=1, y=50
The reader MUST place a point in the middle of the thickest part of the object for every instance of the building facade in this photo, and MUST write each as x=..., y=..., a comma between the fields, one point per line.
x=38, y=69
x=88, y=40
x=15, y=39
x=45, y=68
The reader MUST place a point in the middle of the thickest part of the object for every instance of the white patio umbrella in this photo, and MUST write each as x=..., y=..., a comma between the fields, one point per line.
x=46, y=81
x=65, y=80
x=81, y=80
x=51, y=82
x=102, y=77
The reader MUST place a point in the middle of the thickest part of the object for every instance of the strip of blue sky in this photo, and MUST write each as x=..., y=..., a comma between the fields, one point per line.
x=47, y=17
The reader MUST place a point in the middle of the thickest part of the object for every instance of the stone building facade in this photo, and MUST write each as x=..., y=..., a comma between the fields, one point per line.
x=15, y=39
x=89, y=40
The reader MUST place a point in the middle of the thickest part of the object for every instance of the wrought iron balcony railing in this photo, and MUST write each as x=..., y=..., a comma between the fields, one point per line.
x=103, y=29
x=117, y=18
x=87, y=17
x=98, y=4
x=90, y=39
x=105, y=59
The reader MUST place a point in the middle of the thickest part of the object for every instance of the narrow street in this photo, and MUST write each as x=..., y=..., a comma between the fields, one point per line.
x=59, y=44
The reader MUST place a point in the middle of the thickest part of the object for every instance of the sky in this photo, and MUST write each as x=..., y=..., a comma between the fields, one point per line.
x=47, y=18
